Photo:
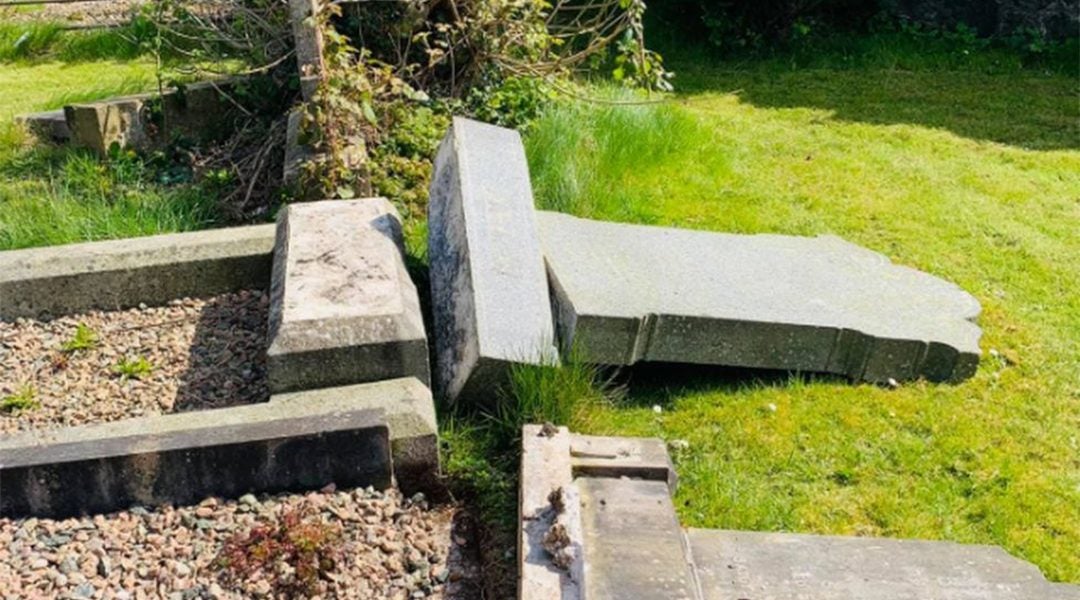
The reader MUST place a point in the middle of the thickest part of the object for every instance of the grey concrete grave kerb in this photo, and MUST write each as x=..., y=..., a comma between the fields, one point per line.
x=343, y=308
x=409, y=413
x=488, y=286
x=118, y=274
x=184, y=457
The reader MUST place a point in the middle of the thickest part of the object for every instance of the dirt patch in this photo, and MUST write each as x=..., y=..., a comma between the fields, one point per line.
x=105, y=366
x=390, y=547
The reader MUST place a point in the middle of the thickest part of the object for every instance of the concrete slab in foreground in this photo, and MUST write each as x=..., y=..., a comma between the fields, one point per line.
x=630, y=293
x=117, y=274
x=182, y=458
x=343, y=309
x=781, y=566
x=488, y=285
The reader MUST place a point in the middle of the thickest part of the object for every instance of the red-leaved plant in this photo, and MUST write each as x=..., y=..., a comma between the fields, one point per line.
x=292, y=554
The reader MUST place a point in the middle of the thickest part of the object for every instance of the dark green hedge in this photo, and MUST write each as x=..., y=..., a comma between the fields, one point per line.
x=752, y=23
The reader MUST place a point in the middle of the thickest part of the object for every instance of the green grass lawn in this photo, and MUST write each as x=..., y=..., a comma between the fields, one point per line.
x=971, y=175
x=58, y=195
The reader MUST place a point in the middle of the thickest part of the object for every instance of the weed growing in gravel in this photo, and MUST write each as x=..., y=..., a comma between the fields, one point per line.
x=133, y=368
x=84, y=338
x=24, y=399
x=292, y=554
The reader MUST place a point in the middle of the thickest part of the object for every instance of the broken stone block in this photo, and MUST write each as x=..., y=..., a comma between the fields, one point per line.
x=343, y=309
x=50, y=126
x=99, y=125
x=488, y=286
x=631, y=293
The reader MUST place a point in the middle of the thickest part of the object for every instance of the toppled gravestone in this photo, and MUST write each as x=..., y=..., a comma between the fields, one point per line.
x=630, y=293
x=488, y=285
x=343, y=309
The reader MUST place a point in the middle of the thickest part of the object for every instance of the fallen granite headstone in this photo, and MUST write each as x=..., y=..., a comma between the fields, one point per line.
x=630, y=293
x=343, y=309
x=488, y=286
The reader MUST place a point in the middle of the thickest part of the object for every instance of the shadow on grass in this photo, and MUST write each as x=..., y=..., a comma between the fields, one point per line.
x=649, y=384
x=986, y=100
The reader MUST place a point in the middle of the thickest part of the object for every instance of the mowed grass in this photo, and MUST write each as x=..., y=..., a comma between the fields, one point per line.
x=970, y=175
x=59, y=195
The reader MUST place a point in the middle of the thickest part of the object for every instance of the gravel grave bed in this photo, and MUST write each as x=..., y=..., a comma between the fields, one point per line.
x=387, y=547
x=99, y=13
x=198, y=353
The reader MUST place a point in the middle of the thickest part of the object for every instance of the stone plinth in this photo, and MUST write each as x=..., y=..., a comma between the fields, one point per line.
x=343, y=309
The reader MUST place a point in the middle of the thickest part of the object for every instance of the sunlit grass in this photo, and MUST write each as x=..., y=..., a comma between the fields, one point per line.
x=971, y=176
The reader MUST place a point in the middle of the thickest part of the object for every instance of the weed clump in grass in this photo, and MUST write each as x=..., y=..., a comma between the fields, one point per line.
x=560, y=394
x=24, y=399
x=84, y=338
x=133, y=368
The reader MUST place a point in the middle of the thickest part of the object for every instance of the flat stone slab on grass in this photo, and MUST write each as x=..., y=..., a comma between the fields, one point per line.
x=182, y=458
x=630, y=293
x=781, y=566
x=114, y=274
x=343, y=309
x=488, y=286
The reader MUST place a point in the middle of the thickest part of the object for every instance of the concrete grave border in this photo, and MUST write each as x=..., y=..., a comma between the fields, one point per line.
x=368, y=434
x=116, y=274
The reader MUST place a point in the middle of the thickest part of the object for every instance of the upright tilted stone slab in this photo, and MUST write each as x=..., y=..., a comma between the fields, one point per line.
x=630, y=293
x=488, y=285
x=343, y=309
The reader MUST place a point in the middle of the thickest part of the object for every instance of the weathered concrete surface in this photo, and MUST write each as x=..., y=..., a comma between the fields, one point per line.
x=408, y=411
x=99, y=125
x=776, y=566
x=637, y=458
x=49, y=126
x=557, y=558
x=546, y=470
x=181, y=458
x=200, y=111
x=343, y=309
x=633, y=541
x=630, y=293
x=489, y=290
x=123, y=273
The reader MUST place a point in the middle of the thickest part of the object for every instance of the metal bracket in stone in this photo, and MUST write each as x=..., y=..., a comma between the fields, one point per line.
x=557, y=468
